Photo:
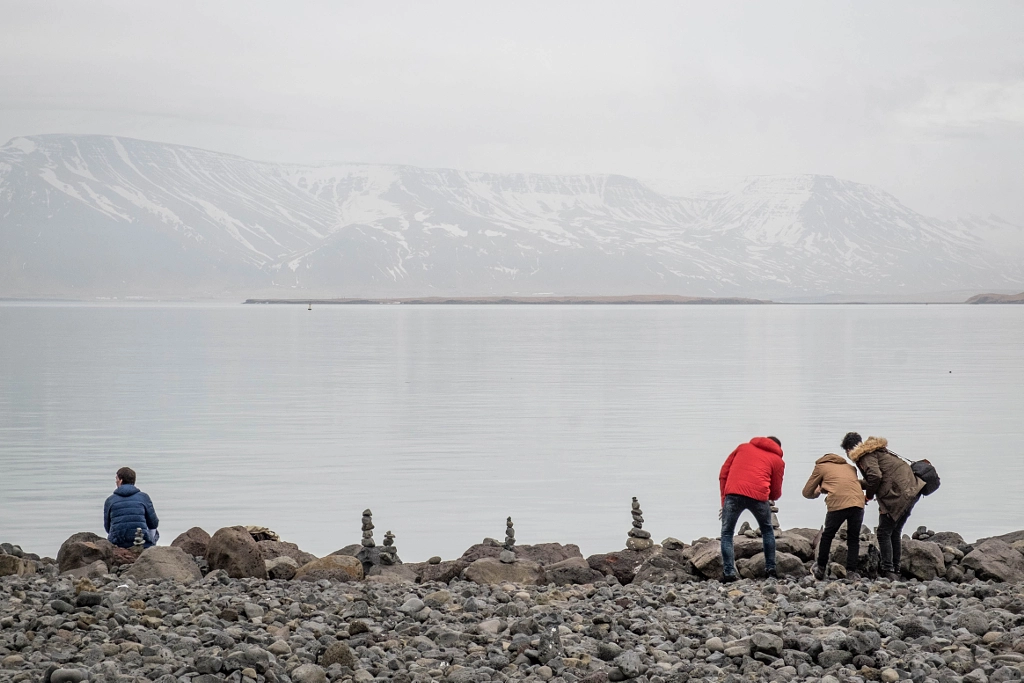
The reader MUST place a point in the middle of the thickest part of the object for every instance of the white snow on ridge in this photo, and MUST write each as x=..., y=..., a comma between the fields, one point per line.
x=355, y=227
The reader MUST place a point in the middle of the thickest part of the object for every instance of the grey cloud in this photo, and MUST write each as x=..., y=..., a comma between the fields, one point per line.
x=658, y=89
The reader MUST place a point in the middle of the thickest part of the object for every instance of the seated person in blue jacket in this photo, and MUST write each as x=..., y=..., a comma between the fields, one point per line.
x=128, y=509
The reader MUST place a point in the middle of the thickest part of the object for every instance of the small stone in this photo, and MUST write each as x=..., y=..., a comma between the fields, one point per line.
x=339, y=653
x=639, y=544
x=507, y=556
x=308, y=673
x=436, y=559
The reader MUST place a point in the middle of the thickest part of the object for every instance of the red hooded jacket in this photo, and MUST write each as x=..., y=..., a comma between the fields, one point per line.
x=754, y=470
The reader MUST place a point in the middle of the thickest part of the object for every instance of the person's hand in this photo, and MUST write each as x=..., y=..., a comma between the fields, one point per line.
x=720, y=513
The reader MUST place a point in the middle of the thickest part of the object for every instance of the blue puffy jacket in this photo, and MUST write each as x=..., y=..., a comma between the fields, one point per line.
x=125, y=511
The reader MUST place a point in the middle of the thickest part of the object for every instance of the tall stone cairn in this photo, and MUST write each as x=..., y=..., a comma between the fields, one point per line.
x=389, y=553
x=508, y=554
x=367, y=541
x=369, y=554
x=638, y=539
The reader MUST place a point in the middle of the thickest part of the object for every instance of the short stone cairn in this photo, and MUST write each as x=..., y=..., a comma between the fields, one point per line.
x=776, y=527
x=139, y=544
x=389, y=553
x=508, y=554
x=638, y=539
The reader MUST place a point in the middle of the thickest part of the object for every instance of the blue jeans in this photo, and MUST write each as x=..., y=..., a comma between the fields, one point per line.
x=735, y=504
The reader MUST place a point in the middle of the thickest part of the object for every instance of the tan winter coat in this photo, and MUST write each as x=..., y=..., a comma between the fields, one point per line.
x=887, y=477
x=838, y=479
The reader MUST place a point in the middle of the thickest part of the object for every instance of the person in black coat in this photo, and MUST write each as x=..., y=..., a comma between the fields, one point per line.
x=128, y=509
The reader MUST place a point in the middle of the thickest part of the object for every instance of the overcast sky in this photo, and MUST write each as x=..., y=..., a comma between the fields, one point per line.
x=923, y=99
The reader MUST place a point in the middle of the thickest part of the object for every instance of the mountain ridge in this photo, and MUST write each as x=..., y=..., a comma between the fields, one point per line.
x=111, y=216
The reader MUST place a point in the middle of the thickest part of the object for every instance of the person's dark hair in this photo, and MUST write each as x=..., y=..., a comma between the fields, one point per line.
x=126, y=475
x=851, y=441
x=775, y=439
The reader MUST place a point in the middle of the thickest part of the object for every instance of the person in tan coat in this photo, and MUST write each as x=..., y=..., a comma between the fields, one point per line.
x=844, y=502
x=888, y=479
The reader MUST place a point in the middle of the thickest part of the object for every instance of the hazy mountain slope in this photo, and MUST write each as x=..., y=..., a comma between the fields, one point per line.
x=92, y=215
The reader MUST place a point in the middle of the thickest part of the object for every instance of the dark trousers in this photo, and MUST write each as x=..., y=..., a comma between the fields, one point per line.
x=854, y=517
x=734, y=505
x=890, y=534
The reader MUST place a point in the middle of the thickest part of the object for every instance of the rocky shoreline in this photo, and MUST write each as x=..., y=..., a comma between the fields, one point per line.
x=246, y=607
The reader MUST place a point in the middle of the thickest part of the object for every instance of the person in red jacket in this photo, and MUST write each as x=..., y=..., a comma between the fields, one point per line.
x=751, y=479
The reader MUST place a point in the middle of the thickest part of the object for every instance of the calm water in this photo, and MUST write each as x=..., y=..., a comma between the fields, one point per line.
x=444, y=420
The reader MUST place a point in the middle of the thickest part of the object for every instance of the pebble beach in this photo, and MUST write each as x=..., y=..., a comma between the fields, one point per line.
x=241, y=607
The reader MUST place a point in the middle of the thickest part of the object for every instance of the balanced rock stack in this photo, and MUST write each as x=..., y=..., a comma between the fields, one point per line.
x=508, y=555
x=638, y=539
x=367, y=541
x=389, y=553
x=369, y=555
x=140, y=541
x=923, y=533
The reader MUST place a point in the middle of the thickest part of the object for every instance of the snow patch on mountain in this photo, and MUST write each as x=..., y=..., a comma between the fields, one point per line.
x=105, y=215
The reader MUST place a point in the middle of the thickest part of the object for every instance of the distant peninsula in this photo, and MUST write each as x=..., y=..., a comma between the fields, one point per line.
x=667, y=299
x=997, y=299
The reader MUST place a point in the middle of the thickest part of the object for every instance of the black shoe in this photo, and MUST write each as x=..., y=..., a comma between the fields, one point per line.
x=772, y=574
x=730, y=578
x=892, y=576
x=852, y=576
x=819, y=572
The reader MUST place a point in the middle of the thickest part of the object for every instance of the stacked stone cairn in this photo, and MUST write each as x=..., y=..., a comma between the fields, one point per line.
x=750, y=532
x=139, y=544
x=369, y=554
x=508, y=554
x=923, y=533
x=389, y=553
x=638, y=539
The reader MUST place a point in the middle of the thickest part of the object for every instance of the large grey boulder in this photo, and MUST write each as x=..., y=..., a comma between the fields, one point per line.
x=164, y=563
x=490, y=570
x=794, y=544
x=332, y=568
x=786, y=565
x=541, y=553
x=82, y=549
x=575, y=570
x=442, y=572
x=622, y=564
x=11, y=565
x=667, y=566
x=922, y=560
x=283, y=568
x=997, y=560
x=707, y=557
x=195, y=541
x=233, y=550
x=272, y=550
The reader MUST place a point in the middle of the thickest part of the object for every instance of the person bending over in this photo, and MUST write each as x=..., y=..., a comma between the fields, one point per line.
x=844, y=502
x=128, y=509
x=891, y=481
x=751, y=479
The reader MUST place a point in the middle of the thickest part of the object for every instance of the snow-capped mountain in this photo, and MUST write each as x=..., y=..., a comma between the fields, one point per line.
x=105, y=216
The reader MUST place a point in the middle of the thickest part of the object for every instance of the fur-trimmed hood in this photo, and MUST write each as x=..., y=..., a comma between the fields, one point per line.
x=872, y=444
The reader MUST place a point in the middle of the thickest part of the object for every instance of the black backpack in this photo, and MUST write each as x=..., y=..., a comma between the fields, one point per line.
x=925, y=471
